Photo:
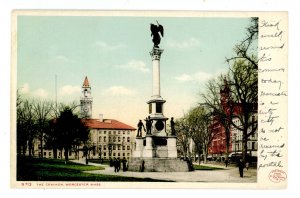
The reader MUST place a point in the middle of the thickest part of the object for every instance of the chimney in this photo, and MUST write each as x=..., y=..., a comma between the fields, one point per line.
x=101, y=117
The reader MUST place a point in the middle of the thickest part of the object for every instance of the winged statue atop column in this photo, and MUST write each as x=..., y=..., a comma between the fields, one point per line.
x=155, y=30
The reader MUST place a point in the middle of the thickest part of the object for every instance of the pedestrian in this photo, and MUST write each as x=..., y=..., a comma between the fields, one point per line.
x=115, y=165
x=226, y=162
x=143, y=166
x=124, y=161
x=111, y=162
x=118, y=165
x=241, y=167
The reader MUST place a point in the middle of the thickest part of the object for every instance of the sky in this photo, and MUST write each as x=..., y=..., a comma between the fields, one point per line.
x=113, y=52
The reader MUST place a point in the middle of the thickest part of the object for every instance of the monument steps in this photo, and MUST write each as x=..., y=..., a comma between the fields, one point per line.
x=158, y=165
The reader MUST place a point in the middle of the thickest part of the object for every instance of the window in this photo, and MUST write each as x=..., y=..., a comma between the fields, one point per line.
x=99, y=132
x=104, y=147
x=128, y=139
x=50, y=154
x=114, y=139
x=119, y=147
x=119, y=132
x=104, y=139
x=114, y=154
x=123, y=132
x=123, y=154
x=114, y=147
x=253, y=146
x=128, y=132
x=123, y=139
x=123, y=148
x=119, y=154
x=100, y=139
x=158, y=108
x=150, y=108
x=109, y=138
x=128, y=147
x=104, y=132
x=119, y=139
x=109, y=132
x=114, y=132
x=104, y=154
x=128, y=154
x=44, y=153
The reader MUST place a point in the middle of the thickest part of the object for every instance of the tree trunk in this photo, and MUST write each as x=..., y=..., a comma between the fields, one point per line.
x=244, y=146
x=66, y=155
x=42, y=149
x=55, y=153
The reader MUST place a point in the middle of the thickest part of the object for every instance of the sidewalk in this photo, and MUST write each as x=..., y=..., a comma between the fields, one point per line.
x=230, y=174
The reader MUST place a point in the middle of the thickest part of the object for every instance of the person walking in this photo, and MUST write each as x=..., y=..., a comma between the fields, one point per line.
x=115, y=165
x=124, y=161
x=226, y=162
x=241, y=167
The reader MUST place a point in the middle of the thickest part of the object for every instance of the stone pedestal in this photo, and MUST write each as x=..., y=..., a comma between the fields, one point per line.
x=172, y=148
x=148, y=151
x=139, y=147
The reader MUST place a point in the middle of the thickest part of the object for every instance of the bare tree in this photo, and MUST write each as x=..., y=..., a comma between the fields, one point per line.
x=217, y=100
x=244, y=83
x=26, y=123
x=42, y=111
x=247, y=49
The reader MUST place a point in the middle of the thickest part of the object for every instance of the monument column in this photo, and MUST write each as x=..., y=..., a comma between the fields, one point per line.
x=155, y=54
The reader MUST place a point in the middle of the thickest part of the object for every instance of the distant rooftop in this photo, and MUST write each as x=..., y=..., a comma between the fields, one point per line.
x=107, y=124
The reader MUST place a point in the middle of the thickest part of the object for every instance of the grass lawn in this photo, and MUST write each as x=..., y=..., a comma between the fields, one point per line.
x=202, y=167
x=56, y=170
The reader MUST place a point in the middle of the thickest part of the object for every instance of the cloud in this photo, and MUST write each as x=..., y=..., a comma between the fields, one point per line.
x=63, y=59
x=105, y=46
x=119, y=90
x=25, y=88
x=184, y=78
x=135, y=65
x=69, y=90
x=188, y=43
x=196, y=77
x=41, y=93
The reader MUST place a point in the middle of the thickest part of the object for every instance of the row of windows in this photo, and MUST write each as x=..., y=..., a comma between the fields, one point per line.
x=114, y=147
x=114, y=132
x=116, y=154
x=250, y=145
x=113, y=139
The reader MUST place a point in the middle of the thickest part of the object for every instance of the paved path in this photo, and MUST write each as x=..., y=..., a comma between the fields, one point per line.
x=230, y=174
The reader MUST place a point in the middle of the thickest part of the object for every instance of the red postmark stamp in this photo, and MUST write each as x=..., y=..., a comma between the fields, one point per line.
x=277, y=176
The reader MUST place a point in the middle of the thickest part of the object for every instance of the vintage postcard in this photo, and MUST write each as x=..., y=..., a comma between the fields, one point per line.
x=149, y=99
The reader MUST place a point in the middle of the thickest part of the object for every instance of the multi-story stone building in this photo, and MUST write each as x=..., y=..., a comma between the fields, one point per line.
x=110, y=138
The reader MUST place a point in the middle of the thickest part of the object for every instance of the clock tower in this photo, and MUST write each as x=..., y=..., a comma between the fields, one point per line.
x=86, y=100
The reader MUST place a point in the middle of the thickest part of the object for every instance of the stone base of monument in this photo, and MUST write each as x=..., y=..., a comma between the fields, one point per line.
x=158, y=165
x=156, y=154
